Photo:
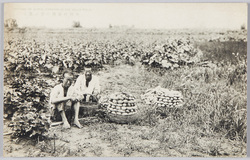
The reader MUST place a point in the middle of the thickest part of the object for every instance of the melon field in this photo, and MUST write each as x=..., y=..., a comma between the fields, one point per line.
x=208, y=68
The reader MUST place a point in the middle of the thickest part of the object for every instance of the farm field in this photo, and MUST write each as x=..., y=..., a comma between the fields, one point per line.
x=211, y=76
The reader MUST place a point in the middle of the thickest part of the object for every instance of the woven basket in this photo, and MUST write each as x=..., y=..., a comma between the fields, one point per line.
x=122, y=119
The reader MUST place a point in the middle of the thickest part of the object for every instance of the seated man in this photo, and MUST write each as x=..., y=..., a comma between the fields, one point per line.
x=87, y=85
x=61, y=98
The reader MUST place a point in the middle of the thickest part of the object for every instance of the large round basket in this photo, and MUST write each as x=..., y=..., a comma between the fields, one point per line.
x=122, y=119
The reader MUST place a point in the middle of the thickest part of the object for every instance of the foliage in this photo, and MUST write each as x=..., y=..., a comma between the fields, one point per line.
x=27, y=121
x=172, y=54
x=34, y=55
x=29, y=100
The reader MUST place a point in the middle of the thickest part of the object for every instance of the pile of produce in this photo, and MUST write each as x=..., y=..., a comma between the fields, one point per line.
x=169, y=99
x=163, y=98
x=120, y=107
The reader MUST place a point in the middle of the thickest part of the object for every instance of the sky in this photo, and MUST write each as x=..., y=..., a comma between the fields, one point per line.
x=139, y=15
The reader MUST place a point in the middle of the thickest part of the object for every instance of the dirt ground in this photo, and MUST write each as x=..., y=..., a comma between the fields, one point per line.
x=122, y=140
x=99, y=138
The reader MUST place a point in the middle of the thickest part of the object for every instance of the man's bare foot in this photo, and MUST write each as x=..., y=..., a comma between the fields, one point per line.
x=77, y=123
x=66, y=125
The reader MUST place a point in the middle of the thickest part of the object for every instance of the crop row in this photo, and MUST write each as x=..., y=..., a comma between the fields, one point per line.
x=26, y=54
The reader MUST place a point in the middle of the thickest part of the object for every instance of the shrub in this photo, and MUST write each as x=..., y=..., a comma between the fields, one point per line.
x=77, y=24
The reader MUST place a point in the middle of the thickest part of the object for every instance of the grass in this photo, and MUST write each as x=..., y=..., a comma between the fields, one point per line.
x=221, y=52
x=213, y=110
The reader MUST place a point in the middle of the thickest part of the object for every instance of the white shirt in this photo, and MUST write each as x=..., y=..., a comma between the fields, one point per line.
x=58, y=92
x=81, y=88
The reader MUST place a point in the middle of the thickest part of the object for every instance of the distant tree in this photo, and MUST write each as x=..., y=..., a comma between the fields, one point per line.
x=10, y=24
x=76, y=24
x=243, y=27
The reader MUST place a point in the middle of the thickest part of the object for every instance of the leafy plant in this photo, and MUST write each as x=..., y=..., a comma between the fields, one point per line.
x=27, y=121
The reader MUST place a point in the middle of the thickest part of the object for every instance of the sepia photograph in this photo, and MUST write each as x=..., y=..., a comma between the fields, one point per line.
x=125, y=80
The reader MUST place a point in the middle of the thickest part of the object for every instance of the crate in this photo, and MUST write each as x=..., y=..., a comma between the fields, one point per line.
x=88, y=109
